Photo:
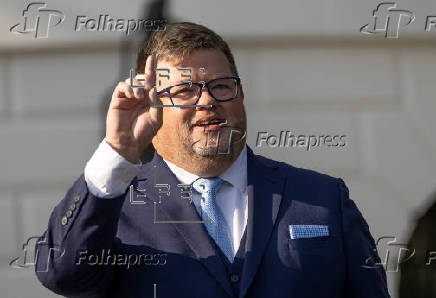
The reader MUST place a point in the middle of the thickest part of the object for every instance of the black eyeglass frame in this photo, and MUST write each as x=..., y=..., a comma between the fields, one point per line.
x=201, y=84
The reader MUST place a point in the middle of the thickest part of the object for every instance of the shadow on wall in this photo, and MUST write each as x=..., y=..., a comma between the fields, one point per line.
x=418, y=274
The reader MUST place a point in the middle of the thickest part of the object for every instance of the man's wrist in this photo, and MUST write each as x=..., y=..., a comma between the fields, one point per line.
x=130, y=153
x=107, y=173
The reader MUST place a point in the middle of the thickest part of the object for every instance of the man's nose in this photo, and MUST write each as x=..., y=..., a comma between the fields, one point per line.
x=206, y=99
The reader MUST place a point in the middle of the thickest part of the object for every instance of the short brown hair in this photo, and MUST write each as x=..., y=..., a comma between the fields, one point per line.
x=179, y=40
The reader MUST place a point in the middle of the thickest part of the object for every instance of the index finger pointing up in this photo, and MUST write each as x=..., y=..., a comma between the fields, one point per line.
x=149, y=72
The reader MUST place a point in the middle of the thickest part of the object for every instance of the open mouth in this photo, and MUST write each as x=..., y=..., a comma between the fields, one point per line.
x=214, y=124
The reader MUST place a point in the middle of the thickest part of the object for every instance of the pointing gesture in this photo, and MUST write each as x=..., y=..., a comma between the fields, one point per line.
x=131, y=120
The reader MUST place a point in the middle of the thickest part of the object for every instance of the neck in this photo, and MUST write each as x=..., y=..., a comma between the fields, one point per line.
x=203, y=166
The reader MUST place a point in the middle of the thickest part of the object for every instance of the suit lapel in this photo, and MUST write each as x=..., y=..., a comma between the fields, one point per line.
x=265, y=190
x=184, y=217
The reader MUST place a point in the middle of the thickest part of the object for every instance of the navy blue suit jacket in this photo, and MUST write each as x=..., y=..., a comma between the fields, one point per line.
x=84, y=251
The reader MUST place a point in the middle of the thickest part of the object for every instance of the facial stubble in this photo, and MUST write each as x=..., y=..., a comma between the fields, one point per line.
x=213, y=148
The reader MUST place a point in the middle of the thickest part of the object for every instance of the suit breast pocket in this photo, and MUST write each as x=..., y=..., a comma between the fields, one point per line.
x=313, y=244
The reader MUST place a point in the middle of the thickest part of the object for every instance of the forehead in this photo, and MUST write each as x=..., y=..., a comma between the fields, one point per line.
x=201, y=62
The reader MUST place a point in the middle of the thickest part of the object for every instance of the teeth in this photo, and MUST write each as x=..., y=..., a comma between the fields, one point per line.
x=208, y=123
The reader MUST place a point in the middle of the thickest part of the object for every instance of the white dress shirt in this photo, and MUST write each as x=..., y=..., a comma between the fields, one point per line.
x=108, y=175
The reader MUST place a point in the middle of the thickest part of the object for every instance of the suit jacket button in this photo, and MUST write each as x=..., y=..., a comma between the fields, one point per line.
x=76, y=199
x=72, y=207
x=64, y=220
x=69, y=213
x=234, y=278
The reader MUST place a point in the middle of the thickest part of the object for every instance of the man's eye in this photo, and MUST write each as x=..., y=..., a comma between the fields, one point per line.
x=182, y=92
x=221, y=87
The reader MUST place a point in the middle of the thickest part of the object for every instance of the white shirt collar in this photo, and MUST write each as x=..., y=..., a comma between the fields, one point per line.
x=236, y=174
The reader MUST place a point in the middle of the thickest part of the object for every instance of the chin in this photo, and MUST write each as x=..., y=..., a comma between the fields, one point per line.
x=218, y=143
x=212, y=153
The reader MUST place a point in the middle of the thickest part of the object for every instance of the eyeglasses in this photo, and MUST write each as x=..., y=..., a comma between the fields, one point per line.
x=189, y=93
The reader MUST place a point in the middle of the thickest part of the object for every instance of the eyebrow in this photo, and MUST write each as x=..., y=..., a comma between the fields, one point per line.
x=205, y=78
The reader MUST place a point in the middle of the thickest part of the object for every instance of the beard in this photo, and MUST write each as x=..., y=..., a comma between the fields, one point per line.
x=212, y=148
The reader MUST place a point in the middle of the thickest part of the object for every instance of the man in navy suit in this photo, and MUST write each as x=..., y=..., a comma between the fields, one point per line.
x=205, y=217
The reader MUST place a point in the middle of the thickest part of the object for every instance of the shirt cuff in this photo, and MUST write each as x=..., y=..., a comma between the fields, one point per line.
x=107, y=173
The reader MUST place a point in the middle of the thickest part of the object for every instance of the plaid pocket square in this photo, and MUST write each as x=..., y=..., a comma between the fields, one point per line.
x=308, y=231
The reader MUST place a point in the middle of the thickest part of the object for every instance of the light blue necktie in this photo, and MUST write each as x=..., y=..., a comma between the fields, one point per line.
x=216, y=226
